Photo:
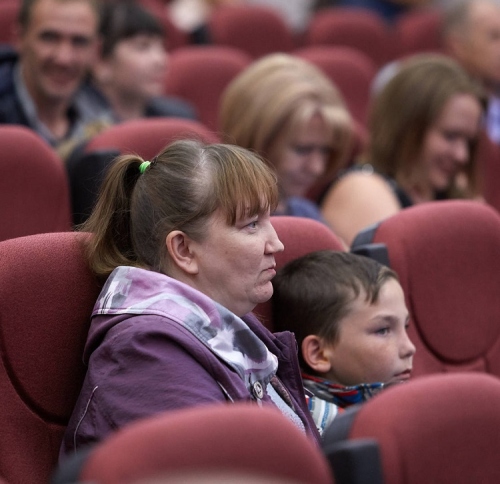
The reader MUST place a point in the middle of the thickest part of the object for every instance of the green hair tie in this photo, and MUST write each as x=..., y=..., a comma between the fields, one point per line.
x=143, y=166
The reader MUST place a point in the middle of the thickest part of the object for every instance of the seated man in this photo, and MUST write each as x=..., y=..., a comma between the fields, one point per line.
x=57, y=42
x=471, y=34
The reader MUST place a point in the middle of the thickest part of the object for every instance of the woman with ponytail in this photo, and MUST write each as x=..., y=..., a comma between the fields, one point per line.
x=186, y=246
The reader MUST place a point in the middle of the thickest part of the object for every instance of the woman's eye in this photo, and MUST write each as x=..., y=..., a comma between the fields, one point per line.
x=307, y=150
x=303, y=150
x=382, y=331
x=253, y=224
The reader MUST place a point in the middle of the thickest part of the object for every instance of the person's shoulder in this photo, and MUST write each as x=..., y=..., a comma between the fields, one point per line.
x=357, y=199
x=303, y=207
x=361, y=177
x=92, y=104
x=170, y=107
x=361, y=187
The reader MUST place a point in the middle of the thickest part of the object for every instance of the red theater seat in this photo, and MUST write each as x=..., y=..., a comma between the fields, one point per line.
x=440, y=429
x=47, y=294
x=447, y=257
x=240, y=440
x=34, y=190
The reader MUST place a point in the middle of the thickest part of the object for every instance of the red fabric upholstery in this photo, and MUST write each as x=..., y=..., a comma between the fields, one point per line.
x=200, y=74
x=147, y=136
x=447, y=257
x=8, y=17
x=419, y=30
x=359, y=28
x=47, y=295
x=34, y=191
x=242, y=438
x=441, y=428
x=255, y=29
x=350, y=70
x=299, y=236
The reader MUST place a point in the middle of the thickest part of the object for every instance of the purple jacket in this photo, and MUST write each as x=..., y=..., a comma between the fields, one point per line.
x=156, y=344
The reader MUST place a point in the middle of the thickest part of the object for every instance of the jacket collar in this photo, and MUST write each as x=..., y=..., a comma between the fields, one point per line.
x=130, y=290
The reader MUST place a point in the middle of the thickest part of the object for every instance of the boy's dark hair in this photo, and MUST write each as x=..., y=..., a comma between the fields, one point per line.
x=122, y=20
x=314, y=292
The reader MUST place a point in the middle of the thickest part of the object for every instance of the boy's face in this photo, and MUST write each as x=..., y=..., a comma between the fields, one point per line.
x=373, y=345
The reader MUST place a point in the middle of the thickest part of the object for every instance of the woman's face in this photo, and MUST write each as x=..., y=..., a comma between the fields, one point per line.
x=138, y=66
x=235, y=264
x=301, y=157
x=446, y=148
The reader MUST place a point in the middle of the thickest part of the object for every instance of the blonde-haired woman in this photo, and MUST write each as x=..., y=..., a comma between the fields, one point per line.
x=288, y=111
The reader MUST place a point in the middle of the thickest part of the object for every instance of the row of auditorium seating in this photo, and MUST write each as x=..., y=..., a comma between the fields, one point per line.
x=348, y=68
x=40, y=194
x=348, y=45
x=259, y=30
x=425, y=431
x=446, y=254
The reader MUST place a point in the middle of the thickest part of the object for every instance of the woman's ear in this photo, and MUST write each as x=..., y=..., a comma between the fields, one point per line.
x=314, y=354
x=179, y=249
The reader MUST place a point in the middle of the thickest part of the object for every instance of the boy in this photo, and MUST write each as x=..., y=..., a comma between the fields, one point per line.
x=349, y=316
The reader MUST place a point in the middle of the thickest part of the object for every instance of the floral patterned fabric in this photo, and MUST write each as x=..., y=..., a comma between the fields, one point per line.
x=224, y=333
x=326, y=399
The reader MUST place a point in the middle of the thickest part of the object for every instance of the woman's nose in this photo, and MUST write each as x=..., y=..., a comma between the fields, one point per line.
x=461, y=151
x=274, y=244
x=317, y=162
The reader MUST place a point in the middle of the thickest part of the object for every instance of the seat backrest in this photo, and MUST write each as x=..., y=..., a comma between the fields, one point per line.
x=256, y=29
x=350, y=70
x=240, y=438
x=440, y=428
x=34, y=191
x=47, y=294
x=8, y=16
x=299, y=236
x=200, y=74
x=419, y=30
x=359, y=28
x=446, y=254
x=146, y=136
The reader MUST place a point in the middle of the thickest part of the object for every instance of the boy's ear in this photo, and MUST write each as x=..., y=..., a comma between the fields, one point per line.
x=180, y=251
x=314, y=354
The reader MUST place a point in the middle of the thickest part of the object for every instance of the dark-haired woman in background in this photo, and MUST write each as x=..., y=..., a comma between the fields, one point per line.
x=128, y=78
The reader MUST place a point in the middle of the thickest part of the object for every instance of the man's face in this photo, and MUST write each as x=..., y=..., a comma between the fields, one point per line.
x=478, y=47
x=57, y=48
